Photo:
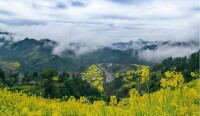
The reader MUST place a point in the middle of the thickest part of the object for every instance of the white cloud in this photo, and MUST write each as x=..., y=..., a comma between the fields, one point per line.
x=100, y=22
x=163, y=52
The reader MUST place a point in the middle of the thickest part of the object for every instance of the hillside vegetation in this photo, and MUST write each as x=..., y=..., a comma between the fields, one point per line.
x=175, y=98
x=169, y=88
x=93, y=76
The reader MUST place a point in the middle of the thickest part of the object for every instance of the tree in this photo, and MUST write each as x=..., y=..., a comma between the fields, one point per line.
x=35, y=74
x=2, y=75
x=49, y=74
x=48, y=84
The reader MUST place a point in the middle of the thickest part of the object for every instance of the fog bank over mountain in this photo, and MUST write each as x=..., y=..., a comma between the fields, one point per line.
x=85, y=26
x=101, y=22
x=150, y=51
x=91, y=37
x=163, y=52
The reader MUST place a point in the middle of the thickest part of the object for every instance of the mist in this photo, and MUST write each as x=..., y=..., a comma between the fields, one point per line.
x=163, y=52
x=97, y=24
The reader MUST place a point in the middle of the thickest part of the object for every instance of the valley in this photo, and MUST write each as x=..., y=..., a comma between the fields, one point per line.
x=31, y=67
x=99, y=58
x=116, y=68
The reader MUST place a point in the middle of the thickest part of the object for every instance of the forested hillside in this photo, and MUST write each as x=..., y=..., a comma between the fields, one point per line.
x=38, y=55
x=116, y=79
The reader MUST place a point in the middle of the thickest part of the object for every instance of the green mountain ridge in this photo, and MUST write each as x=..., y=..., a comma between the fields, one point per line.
x=32, y=55
x=37, y=55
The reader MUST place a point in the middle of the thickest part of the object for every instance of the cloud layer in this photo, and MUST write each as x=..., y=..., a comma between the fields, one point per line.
x=163, y=52
x=101, y=22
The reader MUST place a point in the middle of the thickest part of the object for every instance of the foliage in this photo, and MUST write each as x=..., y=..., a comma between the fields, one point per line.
x=24, y=89
x=58, y=85
x=49, y=74
x=145, y=75
x=173, y=97
x=172, y=79
x=2, y=75
x=93, y=76
x=183, y=100
x=186, y=65
x=100, y=88
x=55, y=78
x=129, y=76
x=15, y=64
x=194, y=74
x=49, y=84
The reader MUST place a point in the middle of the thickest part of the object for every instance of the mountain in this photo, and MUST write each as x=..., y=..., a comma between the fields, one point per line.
x=151, y=45
x=117, y=67
x=6, y=38
x=109, y=55
x=37, y=55
x=139, y=44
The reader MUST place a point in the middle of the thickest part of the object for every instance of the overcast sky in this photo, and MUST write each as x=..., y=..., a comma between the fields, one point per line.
x=101, y=21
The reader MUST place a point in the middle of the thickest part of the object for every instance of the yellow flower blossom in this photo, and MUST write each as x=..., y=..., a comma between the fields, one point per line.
x=100, y=88
x=193, y=74
x=113, y=100
x=178, y=101
x=171, y=79
x=145, y=75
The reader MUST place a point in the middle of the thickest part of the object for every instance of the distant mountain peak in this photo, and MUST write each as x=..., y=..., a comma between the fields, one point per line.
x=47, y=40
x=138, y=44
x=6, y=38
x=4, y=33
x=48, y=43
x=142, y=44
x=29, y=40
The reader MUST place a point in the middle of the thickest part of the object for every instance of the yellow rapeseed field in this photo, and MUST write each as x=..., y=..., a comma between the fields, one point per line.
x=174, y=99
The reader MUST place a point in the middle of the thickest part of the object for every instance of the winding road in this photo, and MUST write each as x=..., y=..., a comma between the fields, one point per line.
x=109, y=75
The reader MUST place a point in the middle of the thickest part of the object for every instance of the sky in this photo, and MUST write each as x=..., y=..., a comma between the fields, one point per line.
x=101, y=22
x=98, y=23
